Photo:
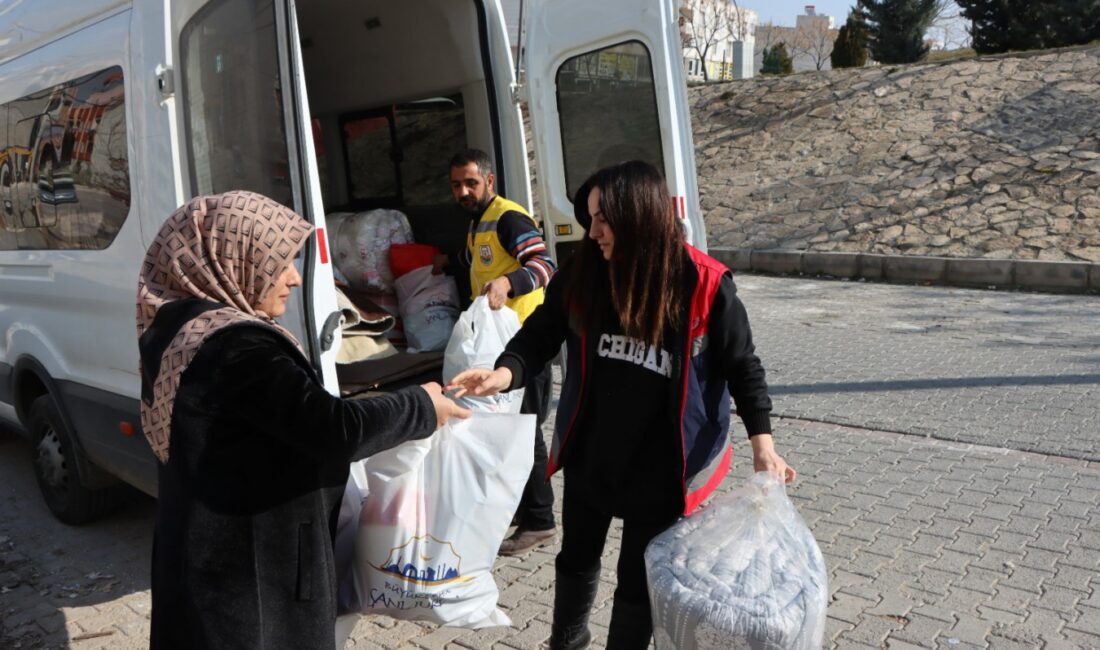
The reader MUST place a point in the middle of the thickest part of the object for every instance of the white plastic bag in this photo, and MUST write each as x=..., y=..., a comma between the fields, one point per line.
x=429, y=308
x=745, y=572
x=478, y=339
x=361, y=247
x=435, y=513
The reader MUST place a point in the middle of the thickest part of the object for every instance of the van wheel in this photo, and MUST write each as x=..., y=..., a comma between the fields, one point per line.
x=55, y=461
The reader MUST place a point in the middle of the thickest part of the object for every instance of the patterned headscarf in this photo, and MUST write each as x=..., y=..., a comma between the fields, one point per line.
x=229, y=248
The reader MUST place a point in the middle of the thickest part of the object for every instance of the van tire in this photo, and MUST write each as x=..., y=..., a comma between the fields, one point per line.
x=55, y=457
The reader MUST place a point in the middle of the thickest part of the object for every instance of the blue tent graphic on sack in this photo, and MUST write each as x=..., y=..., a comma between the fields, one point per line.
x=424, y=560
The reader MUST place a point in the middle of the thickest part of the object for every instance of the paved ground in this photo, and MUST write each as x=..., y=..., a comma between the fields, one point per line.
x=1013, y=370
x=914, y=418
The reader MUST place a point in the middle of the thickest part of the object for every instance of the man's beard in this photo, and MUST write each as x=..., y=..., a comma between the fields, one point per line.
x=476, y=207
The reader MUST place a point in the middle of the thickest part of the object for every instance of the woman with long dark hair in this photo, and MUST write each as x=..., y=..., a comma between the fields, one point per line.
x=657, y=342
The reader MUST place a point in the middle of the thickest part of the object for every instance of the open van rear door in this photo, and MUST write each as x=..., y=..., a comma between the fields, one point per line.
x=246, y=125
x=605, y=83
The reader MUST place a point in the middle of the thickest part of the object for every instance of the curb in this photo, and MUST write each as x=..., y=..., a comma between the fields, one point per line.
x=1076, y=277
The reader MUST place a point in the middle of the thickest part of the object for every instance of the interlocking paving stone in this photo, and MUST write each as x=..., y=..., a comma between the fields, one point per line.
x=977, y=364
x=929, y=535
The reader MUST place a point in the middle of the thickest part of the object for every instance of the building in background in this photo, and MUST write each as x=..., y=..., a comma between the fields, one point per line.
x=717, y=38
x=809, y=42
x=813, y=20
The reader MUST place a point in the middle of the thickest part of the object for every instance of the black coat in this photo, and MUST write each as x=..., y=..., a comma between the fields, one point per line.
x=246, y=517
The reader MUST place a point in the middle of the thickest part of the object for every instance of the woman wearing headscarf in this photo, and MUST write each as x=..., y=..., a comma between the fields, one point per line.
x=253, y=451
x=657, y=342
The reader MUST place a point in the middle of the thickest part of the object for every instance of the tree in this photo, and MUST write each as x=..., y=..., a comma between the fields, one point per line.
x=708, y=24
x=850, y=49
x=949, y=29
x=777, y=60
x=814, y=39
x=767, y=34
x=1002, y=25
x=896, y=28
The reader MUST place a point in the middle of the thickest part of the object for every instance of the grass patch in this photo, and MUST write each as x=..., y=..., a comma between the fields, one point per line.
x=951, y=55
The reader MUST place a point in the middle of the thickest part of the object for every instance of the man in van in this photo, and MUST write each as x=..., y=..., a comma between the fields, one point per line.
x=509, y=263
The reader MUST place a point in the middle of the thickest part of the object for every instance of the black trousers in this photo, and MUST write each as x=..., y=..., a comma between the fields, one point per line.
x=584, y=533
x=536, y=506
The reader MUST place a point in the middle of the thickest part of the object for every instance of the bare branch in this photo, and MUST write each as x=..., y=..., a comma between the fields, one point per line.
x=814, y=39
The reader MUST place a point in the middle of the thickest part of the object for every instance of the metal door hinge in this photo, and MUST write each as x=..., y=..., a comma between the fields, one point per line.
x=519, y=93
x=166, y=83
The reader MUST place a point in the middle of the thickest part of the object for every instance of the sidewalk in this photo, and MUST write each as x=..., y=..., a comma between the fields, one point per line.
x=947, y=443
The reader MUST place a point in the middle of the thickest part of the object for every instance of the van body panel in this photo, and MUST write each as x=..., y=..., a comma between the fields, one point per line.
x=56, y=285
x=620, y=45
x=154, y=116
x=69, y=313
x=512, y=154
x=32, y=23
x=443, y=66
x=317, y=301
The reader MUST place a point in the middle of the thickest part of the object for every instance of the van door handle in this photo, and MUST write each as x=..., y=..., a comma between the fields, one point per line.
x=328, y=332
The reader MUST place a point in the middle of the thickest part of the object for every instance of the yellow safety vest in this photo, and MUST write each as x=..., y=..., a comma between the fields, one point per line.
x=489, y=259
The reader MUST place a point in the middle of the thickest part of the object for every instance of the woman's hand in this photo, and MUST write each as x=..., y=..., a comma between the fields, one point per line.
x=480, y=382
x=765, y=459
x=445, y=408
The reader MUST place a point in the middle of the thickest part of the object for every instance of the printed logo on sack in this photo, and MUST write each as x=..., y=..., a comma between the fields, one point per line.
x=486, y=254
x=424, y=560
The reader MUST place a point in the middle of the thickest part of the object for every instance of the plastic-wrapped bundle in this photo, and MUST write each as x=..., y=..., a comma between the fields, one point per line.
x=361, y=247
x=743, y=573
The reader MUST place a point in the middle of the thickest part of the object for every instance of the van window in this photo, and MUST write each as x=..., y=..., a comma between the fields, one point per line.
x=64, y=168
x=233, y=107
x=398, y=154
x=607, y=105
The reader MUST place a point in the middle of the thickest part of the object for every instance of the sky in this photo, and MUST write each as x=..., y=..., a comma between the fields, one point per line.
x=783, y=12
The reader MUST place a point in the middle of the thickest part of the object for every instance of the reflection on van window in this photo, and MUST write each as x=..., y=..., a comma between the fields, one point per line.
x=397, y=155
x=233, y=100
x=64, y=170
x=608, y=110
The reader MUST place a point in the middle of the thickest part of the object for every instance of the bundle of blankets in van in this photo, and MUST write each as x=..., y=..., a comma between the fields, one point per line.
x=743, y=573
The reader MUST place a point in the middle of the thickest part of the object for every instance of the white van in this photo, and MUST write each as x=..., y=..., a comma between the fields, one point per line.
x=115, y=112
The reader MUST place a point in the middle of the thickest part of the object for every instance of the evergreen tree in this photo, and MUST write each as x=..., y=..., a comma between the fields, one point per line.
x=850, y=49
x=1002, y=25
x=896, y=28
x=777, y=60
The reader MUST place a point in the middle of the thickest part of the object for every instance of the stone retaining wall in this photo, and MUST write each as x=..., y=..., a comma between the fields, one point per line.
x=995, y=157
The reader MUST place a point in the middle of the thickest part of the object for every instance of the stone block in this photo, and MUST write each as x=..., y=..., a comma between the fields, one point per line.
x=841, y=265
x=978, y=272
x=1072, y=276
x=738, y=259
x=898, y=268
x=1094, y=277
x=871, y=266
x=776, y=261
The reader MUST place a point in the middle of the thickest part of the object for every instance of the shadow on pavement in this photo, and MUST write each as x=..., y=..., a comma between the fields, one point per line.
x=52, y=574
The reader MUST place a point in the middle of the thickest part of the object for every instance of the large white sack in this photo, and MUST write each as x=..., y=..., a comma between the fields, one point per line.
x=361, y=247
x=435, y=513
x=478, y=339
x=745, y=572
x=428, y=304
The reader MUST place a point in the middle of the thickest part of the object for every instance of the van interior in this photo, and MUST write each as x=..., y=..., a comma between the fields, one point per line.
x=394, y=90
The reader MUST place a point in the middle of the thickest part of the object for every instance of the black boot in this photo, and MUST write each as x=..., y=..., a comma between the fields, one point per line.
x=573, y=598
x=631, y=626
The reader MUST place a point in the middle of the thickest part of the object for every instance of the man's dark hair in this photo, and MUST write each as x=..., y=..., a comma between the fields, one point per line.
x=476, y=156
